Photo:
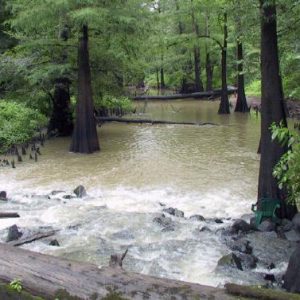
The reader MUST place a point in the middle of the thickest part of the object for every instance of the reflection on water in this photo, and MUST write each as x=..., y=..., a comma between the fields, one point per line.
x=207, y=170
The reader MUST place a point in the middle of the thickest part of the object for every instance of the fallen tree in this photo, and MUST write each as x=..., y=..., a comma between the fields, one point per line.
x=101, y=120
x=199, y=95
x=44, y=275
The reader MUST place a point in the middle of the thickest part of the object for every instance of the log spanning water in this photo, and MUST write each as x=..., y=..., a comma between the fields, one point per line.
x=199, y=95
x=44, y=275
x=149, y=121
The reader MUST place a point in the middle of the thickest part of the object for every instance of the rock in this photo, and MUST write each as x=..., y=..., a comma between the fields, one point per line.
x=296, y=222
x=54, y=243
x=242, y=246
x=269, y=277
x=286, y=225
x=164, y=221
x=292, y=235
x=253, y=223
x=53, y=193
x=197, y=218
x=13, y=233
x=230, y=260
x=266, y=225
x=168, y=228
x=80, y=191
x=161, y=204
x=248, y=261
x=271, y=266
x=69, y=197
x=204, y=228
x=241, y=226
x=218, y=221
x=292, y=275
x=123, y=235
x=3, y=196
x=174, y=212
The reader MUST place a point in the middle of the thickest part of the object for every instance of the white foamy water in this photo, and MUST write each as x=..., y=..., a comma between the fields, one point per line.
x=210, y=170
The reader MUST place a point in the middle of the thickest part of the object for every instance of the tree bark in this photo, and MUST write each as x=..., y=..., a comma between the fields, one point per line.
x=241, y=102
x=272, y=105
x=61, y=121
x=85, y=138
x=224, y=104
x=197, y=57
x=44, y=275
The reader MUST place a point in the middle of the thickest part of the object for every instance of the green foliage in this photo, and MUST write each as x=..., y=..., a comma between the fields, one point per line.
x=112, y=102
x=287, y=171
x=254, y=88
x=18, y=123
x=16, y=285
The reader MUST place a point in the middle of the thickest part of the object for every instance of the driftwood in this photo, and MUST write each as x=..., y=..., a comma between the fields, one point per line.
x=199, y=95
x=43, y=275
x=4, y=215
x=30, y=239
x=148, y=121
x=259, y=293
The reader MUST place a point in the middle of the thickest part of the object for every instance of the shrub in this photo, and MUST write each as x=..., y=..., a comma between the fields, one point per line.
x=18, y=123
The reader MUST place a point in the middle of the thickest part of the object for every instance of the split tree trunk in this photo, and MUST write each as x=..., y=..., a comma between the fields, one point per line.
x=241, y=101
x=61, y=121
x=224, y=104
x=85, y=138
x=272, y=105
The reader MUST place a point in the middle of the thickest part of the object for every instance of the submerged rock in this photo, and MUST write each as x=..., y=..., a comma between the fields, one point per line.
x=230, y=260
x=197, y=218
x=292, y=275
x=164, y=221
x=174, y=212
x=54, y=243
x=13, y=233
x=80, y=191
x=123, y=235
x=242, y=246
x=219, y=221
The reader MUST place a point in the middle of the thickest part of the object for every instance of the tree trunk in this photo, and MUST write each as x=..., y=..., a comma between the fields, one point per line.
x=209, y=73
x=241, y=102
x=85, y=138
x=157, y=80
x=61, y=121
x=197, y=61
x=272, y=105
x=224, y=104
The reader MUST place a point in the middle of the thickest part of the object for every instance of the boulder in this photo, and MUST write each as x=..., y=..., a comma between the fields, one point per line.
x=248, y=261
x=286, y=225
x=3, y=196
x=174, y=212
x=292, y=275
x=13, y=233
x=80, y=191
x=292, y=235
x=241, y=226
x=266, y=226
x=242, y=246
x=296, y=222
x=164, y=221
x=197, y=218
x=230, y=260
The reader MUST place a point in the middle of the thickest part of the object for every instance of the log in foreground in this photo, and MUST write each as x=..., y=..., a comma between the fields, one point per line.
x=199, y=95
x=44, y=275
x=4, y=215
x=101, y=120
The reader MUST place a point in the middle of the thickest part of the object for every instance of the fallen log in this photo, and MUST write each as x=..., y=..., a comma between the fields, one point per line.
x=254, y=292
x=4, y=215
x=44, y=275
x=149, y=121
x=32, y=238
x=199, y=95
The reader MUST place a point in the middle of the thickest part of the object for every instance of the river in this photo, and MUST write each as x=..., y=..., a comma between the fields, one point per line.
x=207, y=170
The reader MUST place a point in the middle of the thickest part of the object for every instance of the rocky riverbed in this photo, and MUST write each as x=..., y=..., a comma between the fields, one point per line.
x=162, y=244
